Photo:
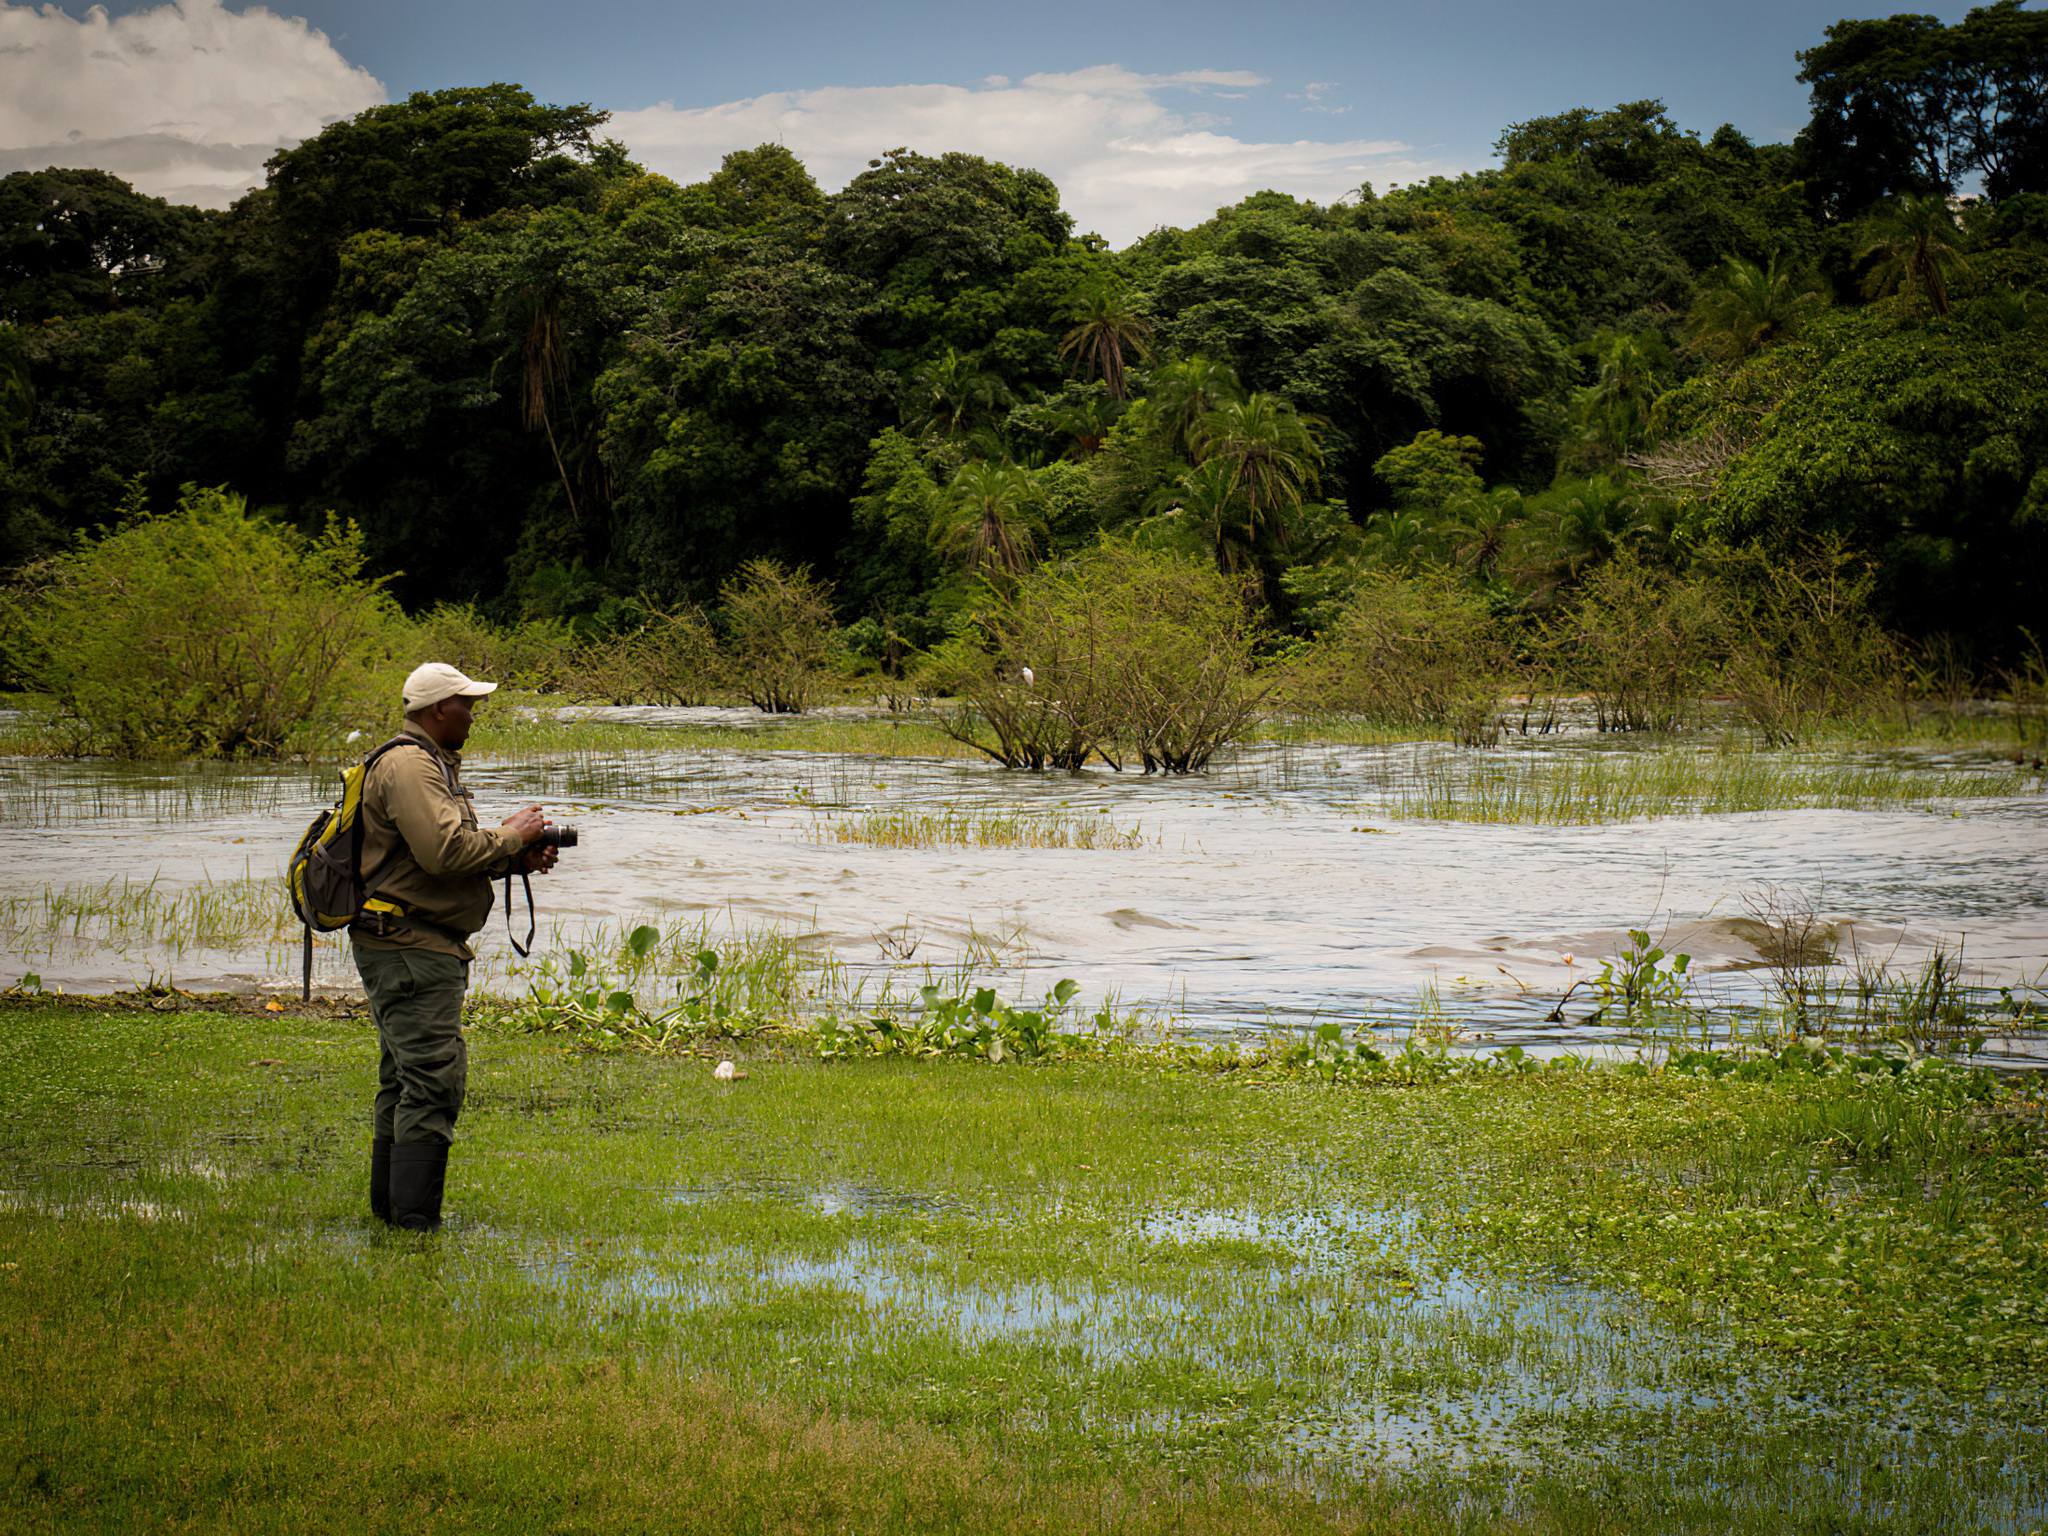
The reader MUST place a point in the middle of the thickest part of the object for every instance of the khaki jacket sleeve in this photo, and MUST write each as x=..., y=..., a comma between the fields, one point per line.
x=430, y=819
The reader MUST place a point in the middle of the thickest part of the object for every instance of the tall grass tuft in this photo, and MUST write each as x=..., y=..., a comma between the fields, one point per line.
x=955, y=828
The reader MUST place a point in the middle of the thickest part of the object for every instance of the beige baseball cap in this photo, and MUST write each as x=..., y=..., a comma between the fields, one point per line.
x=435, y=681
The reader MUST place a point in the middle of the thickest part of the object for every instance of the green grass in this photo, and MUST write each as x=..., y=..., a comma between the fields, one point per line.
x=1583, y=786
x=1095, y=1295
x=952, y=827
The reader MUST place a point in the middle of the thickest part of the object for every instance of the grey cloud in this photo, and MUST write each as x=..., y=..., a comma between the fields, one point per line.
x=209, y=175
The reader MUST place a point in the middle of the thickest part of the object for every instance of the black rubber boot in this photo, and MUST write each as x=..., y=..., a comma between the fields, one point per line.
x=418, y=1170
x=380, y=1178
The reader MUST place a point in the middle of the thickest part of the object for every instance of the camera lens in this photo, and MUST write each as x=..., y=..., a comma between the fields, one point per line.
x=559, y=837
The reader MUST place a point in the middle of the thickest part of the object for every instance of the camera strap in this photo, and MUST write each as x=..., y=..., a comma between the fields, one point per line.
x=526, y=883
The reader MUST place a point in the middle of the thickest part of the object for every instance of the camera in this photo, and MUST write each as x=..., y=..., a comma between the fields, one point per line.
x=558, y=837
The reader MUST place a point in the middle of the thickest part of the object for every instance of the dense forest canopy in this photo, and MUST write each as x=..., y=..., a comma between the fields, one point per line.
x=538, y=377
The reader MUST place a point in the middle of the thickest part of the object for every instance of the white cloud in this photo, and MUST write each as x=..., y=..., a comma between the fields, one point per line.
x=1125, y=160
x=185, y=100
x=1315, y=98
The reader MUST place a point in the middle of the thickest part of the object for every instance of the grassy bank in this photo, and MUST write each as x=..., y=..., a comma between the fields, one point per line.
x=1100, y=1294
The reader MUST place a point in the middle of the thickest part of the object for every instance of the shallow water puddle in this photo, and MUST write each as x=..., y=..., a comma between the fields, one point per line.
x=1333, y=1341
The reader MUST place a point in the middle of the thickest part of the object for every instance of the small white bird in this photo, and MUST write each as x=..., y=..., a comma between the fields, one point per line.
x=353, y=738
x=1030, y=677
x=725, y=1071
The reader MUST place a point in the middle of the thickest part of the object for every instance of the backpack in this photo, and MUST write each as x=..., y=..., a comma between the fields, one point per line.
x=325, y=875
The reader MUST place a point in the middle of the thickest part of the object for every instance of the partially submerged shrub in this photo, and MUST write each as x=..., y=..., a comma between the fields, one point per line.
x=1644, y=645
x=1807, y=645
x=208, y=632
x=672, y=658
x=1124, y=652
x=779, y=632
x=1420, y=649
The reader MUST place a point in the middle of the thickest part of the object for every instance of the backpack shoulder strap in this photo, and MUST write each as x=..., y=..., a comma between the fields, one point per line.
x=370, y=887
x=407, y=741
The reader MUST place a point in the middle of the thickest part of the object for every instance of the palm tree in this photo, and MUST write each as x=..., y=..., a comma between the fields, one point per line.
x=985, y=518
x=950, y=394
x=1615, y=407
x=1086, y=421
x=1479, y=527
x=1586, y=522
x=1750, y=307
x=1271, y=451
x=1918, y=246
x=1182, y=393
x=1105, y=328
x=1396, y=539
x=1207, y=496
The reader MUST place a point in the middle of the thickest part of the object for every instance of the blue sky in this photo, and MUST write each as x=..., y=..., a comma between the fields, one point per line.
x=1144, y=114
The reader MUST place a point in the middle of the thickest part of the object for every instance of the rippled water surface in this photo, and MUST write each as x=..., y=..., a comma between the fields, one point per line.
x=1276, y=889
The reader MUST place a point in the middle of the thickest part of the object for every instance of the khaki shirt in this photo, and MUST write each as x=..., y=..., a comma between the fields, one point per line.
x=423, y=849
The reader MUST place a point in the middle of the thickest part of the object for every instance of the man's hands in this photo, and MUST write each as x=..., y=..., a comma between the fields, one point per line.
x=528, y=823
x=537, y=858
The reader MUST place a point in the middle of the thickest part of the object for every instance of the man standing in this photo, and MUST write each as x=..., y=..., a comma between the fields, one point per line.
x=427, y=867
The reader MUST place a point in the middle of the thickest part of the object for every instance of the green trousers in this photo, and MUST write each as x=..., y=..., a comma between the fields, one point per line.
x=422, y=1063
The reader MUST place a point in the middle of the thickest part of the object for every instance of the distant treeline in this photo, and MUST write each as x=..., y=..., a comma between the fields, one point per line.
x=542, y=380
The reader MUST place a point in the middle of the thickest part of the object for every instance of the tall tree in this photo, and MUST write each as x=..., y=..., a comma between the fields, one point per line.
x=1106, y=330
x=987, y=519
x=1272, y=452
x=1905, y=105
x=1914, y=246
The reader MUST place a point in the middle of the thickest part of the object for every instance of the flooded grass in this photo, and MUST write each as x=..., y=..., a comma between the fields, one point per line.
x=952, y=827
x=1587, y=787
x=126, y=914
x=1096, y=1295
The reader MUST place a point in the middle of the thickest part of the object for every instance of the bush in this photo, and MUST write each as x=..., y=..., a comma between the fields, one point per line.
x=207, y=632
x=1422, y=649
x=1124, y=652
x=670, y=658
x=779, y=634
x=1808, y=644
x=1643, y=644
x=535, y=654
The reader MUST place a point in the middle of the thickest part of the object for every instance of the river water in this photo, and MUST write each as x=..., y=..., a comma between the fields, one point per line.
x=1276, y=890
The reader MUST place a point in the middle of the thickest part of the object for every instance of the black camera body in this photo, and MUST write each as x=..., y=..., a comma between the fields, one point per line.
x=563, y=836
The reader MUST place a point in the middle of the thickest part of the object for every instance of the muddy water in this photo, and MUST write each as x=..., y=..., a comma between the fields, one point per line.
x=1274, y=891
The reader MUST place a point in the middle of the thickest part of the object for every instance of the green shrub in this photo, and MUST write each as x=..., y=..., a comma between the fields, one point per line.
x=1420, y=649
x=208, y=631
x=535, y=654
x=779, y=634
x=1645, y=645
x=1808, y=646
x=671, y=658
x=1126, y=652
